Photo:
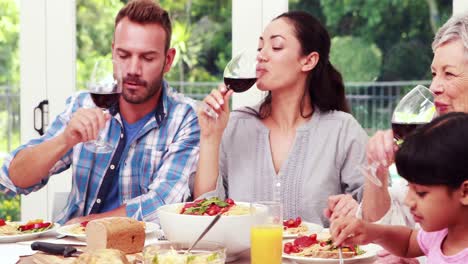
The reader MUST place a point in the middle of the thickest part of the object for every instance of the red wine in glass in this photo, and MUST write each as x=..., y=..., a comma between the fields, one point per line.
x=401, y=130
x=105, y=100
x=239, y=85
x=104, y=87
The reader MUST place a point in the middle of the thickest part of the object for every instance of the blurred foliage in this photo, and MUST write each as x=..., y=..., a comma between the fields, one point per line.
x=9, y=39
x=351, y=55
x=394, y=26
x=94, y=33
x=10, y=208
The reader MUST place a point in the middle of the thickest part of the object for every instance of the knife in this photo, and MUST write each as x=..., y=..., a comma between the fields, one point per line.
x=56, y=249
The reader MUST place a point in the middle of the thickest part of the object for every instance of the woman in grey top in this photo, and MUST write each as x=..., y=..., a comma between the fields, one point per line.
x=300, y=136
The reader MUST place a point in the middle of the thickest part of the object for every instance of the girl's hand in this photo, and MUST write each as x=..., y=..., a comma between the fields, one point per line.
x=350, y=231
x=218, y=102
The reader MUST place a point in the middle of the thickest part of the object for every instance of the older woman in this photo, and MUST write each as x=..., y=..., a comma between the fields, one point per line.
x=305, y=110
x=450, y=86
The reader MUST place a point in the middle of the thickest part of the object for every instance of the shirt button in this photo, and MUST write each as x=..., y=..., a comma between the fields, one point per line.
x=121, y=135
x=98, y=201
x=112, y=167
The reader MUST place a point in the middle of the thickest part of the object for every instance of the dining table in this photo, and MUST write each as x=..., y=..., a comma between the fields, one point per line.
x=21, y=253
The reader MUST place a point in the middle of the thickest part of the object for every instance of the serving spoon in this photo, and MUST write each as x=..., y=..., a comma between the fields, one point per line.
x=213, y=222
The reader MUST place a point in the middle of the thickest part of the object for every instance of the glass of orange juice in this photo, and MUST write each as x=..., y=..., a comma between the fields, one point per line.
x=266, y=235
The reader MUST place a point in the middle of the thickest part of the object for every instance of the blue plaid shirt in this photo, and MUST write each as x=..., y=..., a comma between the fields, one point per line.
x=154, y=170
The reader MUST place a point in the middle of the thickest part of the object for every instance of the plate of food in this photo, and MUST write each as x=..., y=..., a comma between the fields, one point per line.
x=21, y=231
x=320, y=249
x=78, y=231
x=293, y=228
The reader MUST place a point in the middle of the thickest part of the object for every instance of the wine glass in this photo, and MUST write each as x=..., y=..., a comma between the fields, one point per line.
x=105, y=86
x=416, y=108
x=239, y=75
x=240, y=72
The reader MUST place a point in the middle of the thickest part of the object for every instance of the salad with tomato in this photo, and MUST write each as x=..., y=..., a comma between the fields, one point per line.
x=32, y=226
x=210, y=206
x=310, y=246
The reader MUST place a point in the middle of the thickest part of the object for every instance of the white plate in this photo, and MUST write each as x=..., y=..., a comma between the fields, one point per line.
x=371, y=252
x=25, y=236
x=65, y=230
x=313, y=228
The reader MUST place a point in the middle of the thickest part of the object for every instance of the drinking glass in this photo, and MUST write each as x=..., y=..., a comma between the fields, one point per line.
x=266, y=235
x=105, y=86
x=239, y=76
x=416, y=108
x=240, y=72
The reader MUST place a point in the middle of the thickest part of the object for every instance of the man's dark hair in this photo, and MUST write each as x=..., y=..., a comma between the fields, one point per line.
x=146, y=12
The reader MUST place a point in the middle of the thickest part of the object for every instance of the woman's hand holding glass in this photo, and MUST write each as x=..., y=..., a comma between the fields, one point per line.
x=414, y=109
x=213, y=116
x=239, y=75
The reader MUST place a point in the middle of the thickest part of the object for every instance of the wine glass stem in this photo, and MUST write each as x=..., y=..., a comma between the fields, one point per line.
x=100, y=140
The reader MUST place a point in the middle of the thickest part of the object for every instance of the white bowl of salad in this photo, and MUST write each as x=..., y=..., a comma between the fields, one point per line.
x=184, y=222
x=175, y=253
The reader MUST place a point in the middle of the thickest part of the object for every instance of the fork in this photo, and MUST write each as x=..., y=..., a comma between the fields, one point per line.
x=340, y=254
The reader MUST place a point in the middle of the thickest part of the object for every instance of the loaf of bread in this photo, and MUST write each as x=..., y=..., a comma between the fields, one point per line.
x=122, y=233
x=102, y=256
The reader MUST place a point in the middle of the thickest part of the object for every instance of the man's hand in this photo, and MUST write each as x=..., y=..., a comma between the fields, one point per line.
x=85, y=125
x=385, y=257
x=120, y=211
x=82, y=219
x=340, y=205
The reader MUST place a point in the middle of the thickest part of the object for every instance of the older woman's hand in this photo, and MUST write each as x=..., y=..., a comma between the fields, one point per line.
x=340, y=205
x=381, y=151
x=385, y=257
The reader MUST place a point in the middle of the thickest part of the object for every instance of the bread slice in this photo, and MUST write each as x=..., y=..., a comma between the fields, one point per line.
x=122, y=233
x=102, y=256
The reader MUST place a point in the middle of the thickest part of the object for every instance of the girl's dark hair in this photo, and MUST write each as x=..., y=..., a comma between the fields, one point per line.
x=436, y=153
x=324, y=83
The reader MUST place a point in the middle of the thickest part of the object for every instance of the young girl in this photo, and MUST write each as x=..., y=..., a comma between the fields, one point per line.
x=433, y=160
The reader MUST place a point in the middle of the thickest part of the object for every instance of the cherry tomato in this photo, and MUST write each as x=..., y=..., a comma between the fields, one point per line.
x=314, y=237
x=287, y=247
x=2, y=222
x=298, y=221
x=295, y=249
x=230, y=201
x=304, y=241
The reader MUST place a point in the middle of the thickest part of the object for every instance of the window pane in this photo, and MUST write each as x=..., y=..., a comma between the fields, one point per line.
x=9, y=95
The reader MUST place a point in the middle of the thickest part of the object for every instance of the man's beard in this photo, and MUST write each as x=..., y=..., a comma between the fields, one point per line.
x=150, y=89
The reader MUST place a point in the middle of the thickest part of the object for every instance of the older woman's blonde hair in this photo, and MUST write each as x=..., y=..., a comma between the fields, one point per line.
x=455, y=28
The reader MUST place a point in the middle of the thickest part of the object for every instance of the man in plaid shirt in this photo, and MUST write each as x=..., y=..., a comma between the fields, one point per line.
x=154, y=132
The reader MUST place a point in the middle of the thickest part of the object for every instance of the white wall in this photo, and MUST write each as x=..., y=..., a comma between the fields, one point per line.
x=47, y=71
x=460, y=6
x=249, y=18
